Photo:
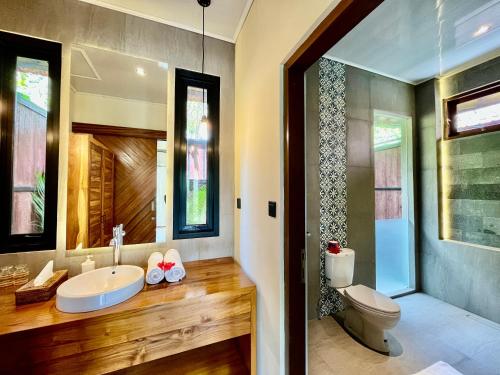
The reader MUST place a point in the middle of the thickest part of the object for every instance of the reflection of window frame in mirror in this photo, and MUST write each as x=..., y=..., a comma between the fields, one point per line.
x=183, y=80
x=14, y=46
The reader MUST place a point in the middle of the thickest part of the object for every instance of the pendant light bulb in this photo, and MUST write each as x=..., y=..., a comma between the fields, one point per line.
x=204, y=120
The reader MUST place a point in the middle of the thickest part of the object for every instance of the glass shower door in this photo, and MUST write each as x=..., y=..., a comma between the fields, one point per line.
x=393, y=197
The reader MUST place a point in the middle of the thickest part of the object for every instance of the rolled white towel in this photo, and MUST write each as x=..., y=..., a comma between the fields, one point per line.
x=155, y=272
x=172, y=263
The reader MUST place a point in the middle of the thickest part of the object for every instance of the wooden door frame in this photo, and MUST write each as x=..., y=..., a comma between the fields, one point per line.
x=346, y=15
x=122, y=131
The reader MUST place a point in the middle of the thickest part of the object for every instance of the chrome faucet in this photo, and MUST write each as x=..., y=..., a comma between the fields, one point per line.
x=117, y=241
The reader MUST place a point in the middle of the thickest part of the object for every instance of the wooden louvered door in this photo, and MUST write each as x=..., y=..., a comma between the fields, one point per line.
x=95, y=195
x=135, y=185
x=101, y=186
x=107, y=197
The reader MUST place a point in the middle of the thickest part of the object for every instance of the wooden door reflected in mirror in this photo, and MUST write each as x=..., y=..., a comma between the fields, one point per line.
x=117, y=149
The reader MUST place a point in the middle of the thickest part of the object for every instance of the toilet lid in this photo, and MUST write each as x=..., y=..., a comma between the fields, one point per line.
x=372, y=299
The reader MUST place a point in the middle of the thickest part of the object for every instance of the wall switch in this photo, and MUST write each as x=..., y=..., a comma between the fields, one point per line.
x=238, y=203
x=272, y=209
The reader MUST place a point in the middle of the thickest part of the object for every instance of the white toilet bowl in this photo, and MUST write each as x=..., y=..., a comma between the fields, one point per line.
x=368, y=313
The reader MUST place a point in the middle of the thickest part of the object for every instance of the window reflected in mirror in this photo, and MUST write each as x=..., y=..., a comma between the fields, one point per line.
x=117, y=150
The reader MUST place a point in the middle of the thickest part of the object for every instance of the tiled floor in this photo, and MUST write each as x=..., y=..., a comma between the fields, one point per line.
x=429, y=331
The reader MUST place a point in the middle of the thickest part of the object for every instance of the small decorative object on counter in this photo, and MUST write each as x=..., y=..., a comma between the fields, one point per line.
x=6, y=276
x=21, y=274
x=14, y=275
x=168, y=266
x=30, y=293
x=334, y=247
x=88, y=265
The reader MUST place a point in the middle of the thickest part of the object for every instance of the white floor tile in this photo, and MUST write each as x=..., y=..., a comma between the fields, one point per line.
x=429, y=331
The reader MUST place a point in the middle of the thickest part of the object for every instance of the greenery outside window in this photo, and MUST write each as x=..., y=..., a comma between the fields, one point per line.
x=196, y=160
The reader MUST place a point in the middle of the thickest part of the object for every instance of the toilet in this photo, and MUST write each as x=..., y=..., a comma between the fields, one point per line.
x=368, y=313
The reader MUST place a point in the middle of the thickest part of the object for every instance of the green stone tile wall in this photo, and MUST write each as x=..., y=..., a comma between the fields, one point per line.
x=471, y=182
x=459, y=272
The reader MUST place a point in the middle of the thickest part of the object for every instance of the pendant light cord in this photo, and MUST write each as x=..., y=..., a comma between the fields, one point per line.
x=203, y=57
x=203, y=45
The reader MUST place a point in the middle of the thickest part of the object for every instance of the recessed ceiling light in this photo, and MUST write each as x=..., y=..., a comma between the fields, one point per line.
x=140, y=71
x=482, y=30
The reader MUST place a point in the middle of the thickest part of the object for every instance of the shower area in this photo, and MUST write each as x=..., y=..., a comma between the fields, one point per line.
x=359, y=161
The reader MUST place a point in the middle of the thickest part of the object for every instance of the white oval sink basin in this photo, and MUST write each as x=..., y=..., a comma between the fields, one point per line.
x=100, y=288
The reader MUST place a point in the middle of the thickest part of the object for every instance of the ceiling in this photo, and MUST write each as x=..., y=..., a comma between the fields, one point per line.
x=414, y=40
x=223, y=18
x=102, y=72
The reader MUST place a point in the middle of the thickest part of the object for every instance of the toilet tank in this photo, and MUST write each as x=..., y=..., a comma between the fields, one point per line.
x=339, y=268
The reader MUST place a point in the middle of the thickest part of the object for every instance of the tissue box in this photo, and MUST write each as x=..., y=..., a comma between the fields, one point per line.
x=29, y=293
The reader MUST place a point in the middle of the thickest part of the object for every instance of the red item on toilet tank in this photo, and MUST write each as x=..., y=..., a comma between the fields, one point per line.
x=334, y=247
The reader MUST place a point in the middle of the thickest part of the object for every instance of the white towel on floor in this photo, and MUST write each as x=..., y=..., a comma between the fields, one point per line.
x=155, y=272
x=439, y=368
x=174, y=270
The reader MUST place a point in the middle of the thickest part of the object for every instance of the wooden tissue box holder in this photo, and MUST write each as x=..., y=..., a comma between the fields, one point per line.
x=29, y=293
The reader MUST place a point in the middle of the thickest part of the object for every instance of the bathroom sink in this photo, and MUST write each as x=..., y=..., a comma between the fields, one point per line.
x=99, y=289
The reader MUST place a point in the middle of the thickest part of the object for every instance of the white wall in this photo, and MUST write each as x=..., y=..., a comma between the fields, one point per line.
x=271, y=31
x=110, y=110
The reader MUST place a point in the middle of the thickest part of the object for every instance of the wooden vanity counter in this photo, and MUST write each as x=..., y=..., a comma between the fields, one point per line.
x=205, y=323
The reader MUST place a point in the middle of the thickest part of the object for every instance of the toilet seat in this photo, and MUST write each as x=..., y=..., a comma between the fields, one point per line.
x=374, y=312
x=372, y=301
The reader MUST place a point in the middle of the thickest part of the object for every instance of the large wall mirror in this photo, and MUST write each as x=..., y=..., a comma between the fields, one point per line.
x=117, y=148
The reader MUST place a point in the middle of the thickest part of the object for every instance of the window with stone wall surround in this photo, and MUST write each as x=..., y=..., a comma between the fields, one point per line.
x=474, y=112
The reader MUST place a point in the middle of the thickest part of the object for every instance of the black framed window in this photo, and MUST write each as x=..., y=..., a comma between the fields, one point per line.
x=473, y=112
x=30, y=71
x=196, y=159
